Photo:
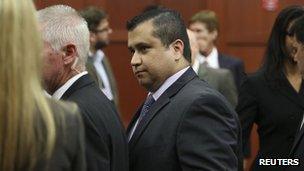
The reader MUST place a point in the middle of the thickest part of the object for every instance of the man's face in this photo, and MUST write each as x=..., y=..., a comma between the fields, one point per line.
x=205, y=38
x=101, y=36
x=152, y=62
x=298, y=51
x=53, y=67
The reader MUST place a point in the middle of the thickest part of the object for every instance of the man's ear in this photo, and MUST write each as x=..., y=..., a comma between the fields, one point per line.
x=70, y=54
x=178, y=47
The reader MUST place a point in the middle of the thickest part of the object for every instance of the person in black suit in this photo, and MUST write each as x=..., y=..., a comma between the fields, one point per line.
x=37, y=133
x=183, y=124
x=272, y=97
x=66, y=46
x=205, y=25
x=297, y=32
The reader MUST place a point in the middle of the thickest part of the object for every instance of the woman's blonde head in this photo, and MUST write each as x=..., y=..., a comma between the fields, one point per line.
x=27, y=126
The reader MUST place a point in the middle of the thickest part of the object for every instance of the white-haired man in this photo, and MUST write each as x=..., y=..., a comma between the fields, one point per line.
x=66, y=46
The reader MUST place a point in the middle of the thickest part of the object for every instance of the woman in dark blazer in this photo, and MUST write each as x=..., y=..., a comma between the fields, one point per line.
x=273, y=96
x=35, y=132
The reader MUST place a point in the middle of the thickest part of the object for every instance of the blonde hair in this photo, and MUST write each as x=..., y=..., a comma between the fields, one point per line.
x=27, y=126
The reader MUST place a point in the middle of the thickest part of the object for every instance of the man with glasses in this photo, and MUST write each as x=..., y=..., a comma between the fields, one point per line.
x=98, y=65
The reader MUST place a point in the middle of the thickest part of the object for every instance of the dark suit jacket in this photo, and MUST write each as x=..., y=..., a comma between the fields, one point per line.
x=106, y=145
x=277, y=110
x=68, y=153
x=235, y=65
x=106, y=64
x=190, y=127
x=297, y=152
x=222, y=80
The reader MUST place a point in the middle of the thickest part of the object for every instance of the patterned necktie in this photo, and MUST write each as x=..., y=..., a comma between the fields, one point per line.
x=147, y=105
x=143, y=113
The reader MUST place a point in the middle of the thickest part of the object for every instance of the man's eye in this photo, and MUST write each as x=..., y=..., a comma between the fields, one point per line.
x=144, y=49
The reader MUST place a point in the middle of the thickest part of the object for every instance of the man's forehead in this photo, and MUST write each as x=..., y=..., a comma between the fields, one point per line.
x=141, y=34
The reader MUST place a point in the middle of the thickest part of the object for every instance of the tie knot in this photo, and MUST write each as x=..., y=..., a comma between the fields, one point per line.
x=205, y=64
x=149, y=101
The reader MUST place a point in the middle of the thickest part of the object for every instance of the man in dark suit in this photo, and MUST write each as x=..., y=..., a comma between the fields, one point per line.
x=183, y=124
x=205, y=25
x=66, y=45
x=297, y=32
x=98, y=64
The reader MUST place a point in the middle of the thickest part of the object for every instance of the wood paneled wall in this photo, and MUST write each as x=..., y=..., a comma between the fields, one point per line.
x=244, y=30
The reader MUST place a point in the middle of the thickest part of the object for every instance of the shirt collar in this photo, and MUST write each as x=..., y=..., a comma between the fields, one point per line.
x=211, y=59
x=169, y=81
x=98, y=56
x=59, y=92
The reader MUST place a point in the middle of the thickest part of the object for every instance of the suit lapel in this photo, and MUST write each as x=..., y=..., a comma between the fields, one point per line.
x=134, y=119
x=221, y=61
x=297, y=140
x=92, y=71
x=160, y=103
x=111, y=78
x=202, y=71
x=286, y=89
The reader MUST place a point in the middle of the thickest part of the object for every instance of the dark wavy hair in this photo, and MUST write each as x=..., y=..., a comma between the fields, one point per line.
x=276, y=53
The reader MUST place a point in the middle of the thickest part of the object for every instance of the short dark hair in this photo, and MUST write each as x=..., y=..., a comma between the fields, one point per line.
x=93, y=17
x=297, y=30
x=168, y=27
x=207, y=17
x=276, y=53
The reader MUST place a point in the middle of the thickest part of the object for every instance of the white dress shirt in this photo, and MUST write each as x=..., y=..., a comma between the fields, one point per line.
x=58, y=93
x=211, y=59
x=160, y=91
x=101, y=72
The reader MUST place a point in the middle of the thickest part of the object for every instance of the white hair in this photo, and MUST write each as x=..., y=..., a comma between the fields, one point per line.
x=62, y=25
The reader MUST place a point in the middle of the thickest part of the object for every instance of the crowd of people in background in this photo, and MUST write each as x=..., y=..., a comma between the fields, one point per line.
x=59, y=98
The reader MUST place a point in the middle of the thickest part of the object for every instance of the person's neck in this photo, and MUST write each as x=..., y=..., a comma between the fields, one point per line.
x=179, y=66
x=293, y=75
x=60, y=81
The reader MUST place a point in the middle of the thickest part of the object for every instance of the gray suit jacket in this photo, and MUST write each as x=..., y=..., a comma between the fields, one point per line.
x=221, y=80
x=69, y=152
x=92, y=71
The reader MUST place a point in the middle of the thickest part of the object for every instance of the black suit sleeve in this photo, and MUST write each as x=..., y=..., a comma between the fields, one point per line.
x=97, y=147
x=208, y=136
x=240, y=74
x=78, y=162
x=247, y=109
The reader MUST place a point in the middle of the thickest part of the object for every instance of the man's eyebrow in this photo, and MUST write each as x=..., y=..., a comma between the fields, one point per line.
x=139, y=45
x=142, y=44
